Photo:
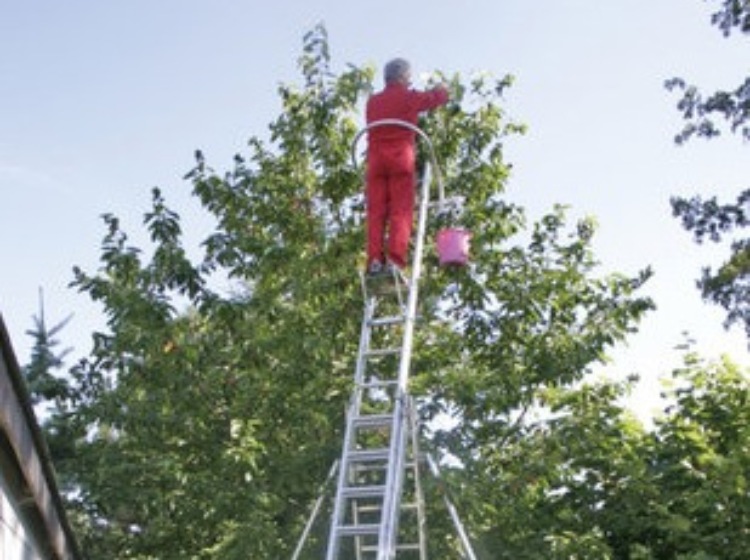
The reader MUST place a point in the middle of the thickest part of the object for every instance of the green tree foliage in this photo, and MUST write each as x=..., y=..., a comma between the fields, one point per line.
x=586, y=480
x=729, y=286
x=205, y=421
x=701, y=462
x=732, y=106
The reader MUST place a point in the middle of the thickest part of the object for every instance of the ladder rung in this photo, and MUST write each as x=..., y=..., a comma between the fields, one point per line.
x=371, y=508
x=356, y=530
x=382, y=352
x=373, y=421
x=406, y=547
x=365, y=455
x=385, y=321
x=375, y=508
x=379, y=383
x=363, y=492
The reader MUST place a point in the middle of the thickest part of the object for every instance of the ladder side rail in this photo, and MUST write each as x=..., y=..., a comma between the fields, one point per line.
x=410, y=435
x=357, y=539
x=418, y=493
x=462, y=535
x=315, y=511
x=364, y=342
x=411, y=306
x=349, y=434
x=355, y=411
x=394, y=482
x=394, y=479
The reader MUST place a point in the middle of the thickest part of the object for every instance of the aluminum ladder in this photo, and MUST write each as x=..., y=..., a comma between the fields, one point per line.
x=380, y=442
x=378, y=476
x=379, y=450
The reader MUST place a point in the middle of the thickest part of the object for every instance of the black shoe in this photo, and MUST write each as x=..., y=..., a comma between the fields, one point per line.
x=375, y=268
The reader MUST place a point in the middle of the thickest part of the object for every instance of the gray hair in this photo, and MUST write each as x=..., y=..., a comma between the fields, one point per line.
x=396, y=70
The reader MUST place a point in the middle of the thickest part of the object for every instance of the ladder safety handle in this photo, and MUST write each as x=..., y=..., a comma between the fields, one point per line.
x=421, y=133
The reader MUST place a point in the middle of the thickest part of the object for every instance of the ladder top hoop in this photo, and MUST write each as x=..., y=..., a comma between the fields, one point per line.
x=422, y=134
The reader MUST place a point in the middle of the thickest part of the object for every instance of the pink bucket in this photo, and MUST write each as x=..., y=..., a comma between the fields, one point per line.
x=453, y=246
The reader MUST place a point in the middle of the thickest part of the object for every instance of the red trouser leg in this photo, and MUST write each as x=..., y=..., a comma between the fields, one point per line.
x=377, y=211
x=401, y=189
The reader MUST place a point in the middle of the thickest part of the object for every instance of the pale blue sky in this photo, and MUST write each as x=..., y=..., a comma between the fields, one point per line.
x=100, y=101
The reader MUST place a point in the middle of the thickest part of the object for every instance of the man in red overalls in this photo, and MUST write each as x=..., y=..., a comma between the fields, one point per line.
x=391, y=157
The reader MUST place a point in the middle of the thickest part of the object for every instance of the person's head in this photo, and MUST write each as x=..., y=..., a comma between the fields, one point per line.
x=397, y=70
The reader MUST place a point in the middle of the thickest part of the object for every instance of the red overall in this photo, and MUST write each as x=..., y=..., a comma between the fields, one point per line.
x=390, y=169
